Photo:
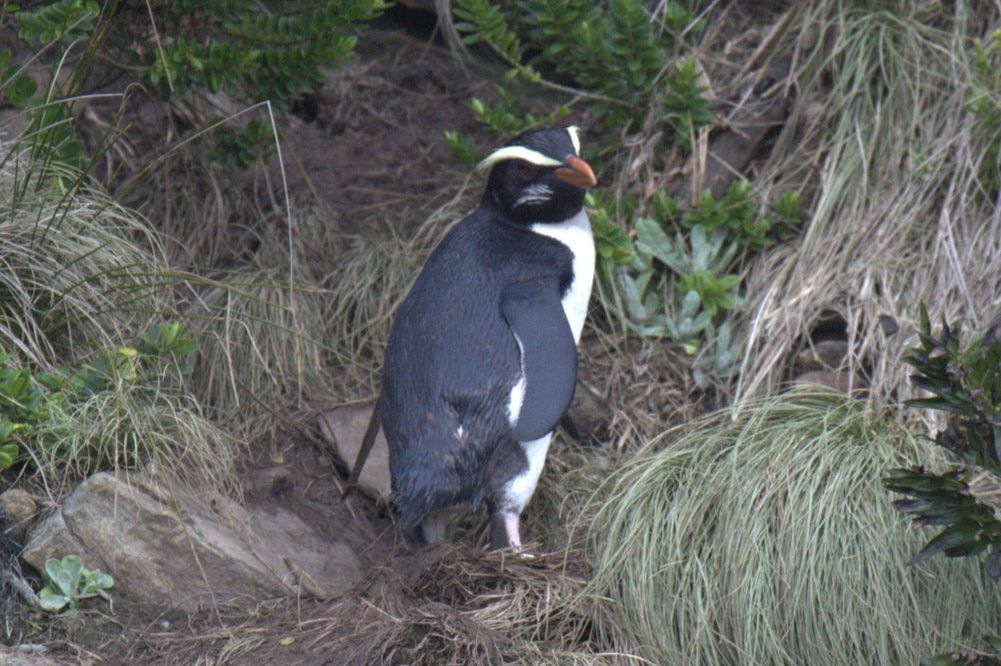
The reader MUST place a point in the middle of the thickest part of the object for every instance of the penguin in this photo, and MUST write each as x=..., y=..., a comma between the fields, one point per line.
x=481, y=360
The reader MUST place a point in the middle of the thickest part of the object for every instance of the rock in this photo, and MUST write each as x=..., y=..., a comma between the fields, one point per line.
x=822, y=355
x=344, y=428
x=34, y=655
x=21, y=508
x=274, y=482
x=835, y=380
x=180, y=549
x=588, y=417
x=889, y=325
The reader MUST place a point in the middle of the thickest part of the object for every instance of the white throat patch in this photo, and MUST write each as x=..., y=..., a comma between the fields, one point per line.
x=575, y=233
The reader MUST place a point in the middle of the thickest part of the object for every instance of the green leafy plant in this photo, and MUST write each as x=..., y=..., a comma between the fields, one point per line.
x=619, y=61
x=15, y=87
x=255, y=51
x=684, y=102
x=683, y=286
x=26, y=398
x=965, y=383
x=68, y=582
x=64, y=20
x=462, y=147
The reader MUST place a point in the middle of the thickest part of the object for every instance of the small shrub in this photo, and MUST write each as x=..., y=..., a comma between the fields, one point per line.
x=68, y=582
x=965, y=382
x=685, y=287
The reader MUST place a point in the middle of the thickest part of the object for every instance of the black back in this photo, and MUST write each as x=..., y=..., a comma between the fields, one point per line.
x=452, y=361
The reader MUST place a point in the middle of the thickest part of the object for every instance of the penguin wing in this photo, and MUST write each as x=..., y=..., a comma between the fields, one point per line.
x=548, y=355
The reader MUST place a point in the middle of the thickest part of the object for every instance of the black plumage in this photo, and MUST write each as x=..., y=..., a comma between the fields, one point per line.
x=485, y=313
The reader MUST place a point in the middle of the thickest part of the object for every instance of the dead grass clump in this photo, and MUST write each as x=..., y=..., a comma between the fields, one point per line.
x=447, y=605
x=899, y=212
x=261, y=345
x=76, y=269
x=459, y=604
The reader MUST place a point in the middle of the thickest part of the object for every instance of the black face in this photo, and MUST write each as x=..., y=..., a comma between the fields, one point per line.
x=527, y=192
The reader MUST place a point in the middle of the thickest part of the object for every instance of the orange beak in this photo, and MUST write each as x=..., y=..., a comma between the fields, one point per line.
x=576, y=172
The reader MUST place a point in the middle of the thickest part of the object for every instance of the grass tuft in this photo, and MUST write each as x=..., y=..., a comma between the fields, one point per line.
x=74, y=266
x=883, y=144
x=127, y=429
x=769, y=540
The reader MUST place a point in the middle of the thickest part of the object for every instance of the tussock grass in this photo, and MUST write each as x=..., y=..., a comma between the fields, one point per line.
x=74, y=266
x=127, y=429
x=81, y=275
x=260, y=344
x=769, y=540
x=883, y=143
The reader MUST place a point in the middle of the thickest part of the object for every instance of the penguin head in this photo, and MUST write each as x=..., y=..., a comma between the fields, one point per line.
x=538, y=176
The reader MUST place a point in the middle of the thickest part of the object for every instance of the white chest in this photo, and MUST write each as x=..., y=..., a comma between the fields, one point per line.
x=575, y=233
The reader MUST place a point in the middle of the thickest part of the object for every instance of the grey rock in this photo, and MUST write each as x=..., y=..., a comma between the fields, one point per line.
x=835, y=380
x=823, y=355
x=344, y=427
x=180, y=549
x=35, y=655
x=21, y=508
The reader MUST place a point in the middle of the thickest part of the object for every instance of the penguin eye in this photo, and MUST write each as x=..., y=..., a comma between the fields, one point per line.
x=526, y=170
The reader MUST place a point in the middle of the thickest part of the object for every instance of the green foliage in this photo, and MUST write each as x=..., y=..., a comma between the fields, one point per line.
x=462, y=147
x=610, y=51
x=613, y=246
x=965, y=382
x=240, y=148
x=15, y=87
x=505, y=118
x=54, y=142
x=68, y=582
x=271, y=50
x=683, y=286
x=684, y=104
x=232, y=45
x=64, y=20
x=27, y=399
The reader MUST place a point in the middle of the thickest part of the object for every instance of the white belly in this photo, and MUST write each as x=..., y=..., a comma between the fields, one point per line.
x=575, y=233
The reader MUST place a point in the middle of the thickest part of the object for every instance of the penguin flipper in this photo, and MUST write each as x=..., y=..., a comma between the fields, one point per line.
x=548, y=355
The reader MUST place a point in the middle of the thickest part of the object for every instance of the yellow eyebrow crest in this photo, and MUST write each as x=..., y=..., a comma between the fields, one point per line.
x=517, y=153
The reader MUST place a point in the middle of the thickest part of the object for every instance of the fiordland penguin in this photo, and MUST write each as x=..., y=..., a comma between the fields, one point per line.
x=482, y=356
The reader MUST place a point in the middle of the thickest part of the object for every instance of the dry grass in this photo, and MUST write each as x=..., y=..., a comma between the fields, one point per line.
x=261, y=345
x=769, y=540
x=444, y=606
x=81, y=275
x=881, y=140
x=127, y=429
x=74, y=267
